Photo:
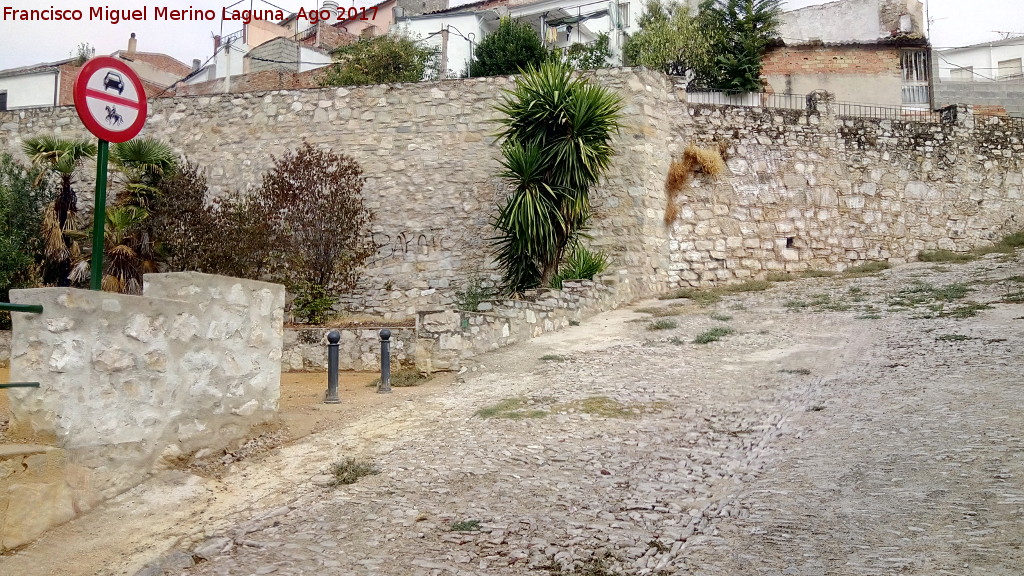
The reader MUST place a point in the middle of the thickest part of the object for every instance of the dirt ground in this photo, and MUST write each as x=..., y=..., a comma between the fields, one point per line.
x=860, y=425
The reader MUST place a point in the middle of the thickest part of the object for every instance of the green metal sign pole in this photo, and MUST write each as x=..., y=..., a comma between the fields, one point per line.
x=96, y=282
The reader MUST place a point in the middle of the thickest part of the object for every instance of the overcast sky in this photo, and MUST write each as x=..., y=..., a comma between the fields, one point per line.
x=954, y=23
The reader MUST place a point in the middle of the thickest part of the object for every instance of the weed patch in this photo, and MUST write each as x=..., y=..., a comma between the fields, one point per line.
x=818, y=274
x=953, y=338
x=866, y=269
x=350, y=470
x=404, y=378
x=511, y=409
x=800, y=371
x=553, y=358
x=663, y=324
x=660, y=312
x=713, y=335
x=721, y=317
x=466, y=526
x=946, y=256
x=710, y=296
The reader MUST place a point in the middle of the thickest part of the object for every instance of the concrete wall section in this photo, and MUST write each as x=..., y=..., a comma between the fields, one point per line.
x=128, y=382
x=995, y=96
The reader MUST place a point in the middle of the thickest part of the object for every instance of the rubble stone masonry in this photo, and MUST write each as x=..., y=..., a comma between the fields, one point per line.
x=803, y=190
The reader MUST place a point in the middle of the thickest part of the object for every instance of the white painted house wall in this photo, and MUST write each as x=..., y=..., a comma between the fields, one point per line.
x=473, y=25
x=30, y=90
x=983, y=58
x=311, y=59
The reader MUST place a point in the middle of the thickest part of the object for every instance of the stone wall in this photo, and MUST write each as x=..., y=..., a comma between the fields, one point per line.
x=428, y=152
x=804, y=189
x=446, y=339
x=808, y=190
x=129, y=383
x=359, y=348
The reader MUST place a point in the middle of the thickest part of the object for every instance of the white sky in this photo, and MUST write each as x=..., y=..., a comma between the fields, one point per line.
x=954, y=23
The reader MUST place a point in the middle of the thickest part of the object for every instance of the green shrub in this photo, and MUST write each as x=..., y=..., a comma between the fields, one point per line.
x=21, y=212
x=312, y=303
x=473, y=293
x=513, y=47
x=582, y=264
x=663, y=324
x=382, y=60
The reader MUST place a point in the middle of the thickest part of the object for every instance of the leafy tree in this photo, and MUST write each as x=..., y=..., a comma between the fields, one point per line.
x=313, y=198
x=60, y=218
x=557, y=132
x=586, y=56
x=382, y=60
x=513, y=47
x=747, y=27
x=719, y=48
x=22, y=200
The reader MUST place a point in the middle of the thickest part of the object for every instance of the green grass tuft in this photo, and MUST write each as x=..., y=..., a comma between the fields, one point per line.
x=511, y=409
x=404, y=378
x=466, y=526
x=350, y=470
x=945, y=256
x=866, y=269
x=713, y=335
x=721, y=317
x=553, y=358
x=663, y=324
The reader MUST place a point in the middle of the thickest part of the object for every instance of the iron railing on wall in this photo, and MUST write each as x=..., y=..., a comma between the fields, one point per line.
x=844, y=109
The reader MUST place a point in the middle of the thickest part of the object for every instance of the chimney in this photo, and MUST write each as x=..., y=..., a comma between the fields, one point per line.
x=216, y=43
x=132, y=42
x=196, y=63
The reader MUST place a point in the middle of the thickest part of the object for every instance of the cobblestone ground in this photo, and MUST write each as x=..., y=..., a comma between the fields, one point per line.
x=859, y=426
x=846, y=426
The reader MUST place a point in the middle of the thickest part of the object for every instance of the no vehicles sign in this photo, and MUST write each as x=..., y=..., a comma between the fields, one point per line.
x=110, y=100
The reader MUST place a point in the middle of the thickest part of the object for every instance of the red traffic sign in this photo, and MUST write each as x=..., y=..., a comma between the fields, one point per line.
x=110, y=100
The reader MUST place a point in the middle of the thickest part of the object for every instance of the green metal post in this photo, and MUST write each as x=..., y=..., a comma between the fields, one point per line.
x=96, y=281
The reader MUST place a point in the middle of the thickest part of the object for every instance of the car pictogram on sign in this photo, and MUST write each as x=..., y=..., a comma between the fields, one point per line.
x=110, y=99
x=113, y=80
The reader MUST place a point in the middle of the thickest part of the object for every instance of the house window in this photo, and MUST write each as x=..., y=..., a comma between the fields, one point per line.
x=624, y=15
x=914, y=66
x=3, y=100
x=1010, y=68
x=964, y=74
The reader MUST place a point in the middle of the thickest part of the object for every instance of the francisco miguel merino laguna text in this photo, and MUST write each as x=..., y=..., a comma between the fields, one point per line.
x=163, y=13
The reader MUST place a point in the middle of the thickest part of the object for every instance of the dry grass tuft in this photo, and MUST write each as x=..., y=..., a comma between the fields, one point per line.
x=710, y=161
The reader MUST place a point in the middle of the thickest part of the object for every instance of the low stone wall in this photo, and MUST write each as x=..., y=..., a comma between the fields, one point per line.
x=129, y=383
x=359, y=348
x=445, y=339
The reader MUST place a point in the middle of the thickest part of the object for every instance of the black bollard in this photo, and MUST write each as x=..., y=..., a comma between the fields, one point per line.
x=385, y=362
x=333, y=337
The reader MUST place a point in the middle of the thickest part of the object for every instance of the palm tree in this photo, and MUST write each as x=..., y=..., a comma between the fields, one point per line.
x=141, y=164
x=557, y=132
x=61, y=156
x=123, y=263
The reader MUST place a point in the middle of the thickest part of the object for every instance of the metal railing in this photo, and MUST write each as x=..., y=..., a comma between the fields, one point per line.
x=28, y=309
x=1011, y=119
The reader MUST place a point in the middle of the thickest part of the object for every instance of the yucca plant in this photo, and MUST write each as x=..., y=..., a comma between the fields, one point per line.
x=581, y=264
x=557, y=132
x=63, y=157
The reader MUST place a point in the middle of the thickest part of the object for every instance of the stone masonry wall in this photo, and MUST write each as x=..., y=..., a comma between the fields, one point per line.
x=430, y=159
x=359, y=348
x=446, y=339
x=129, y=383
x=804, y=190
